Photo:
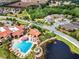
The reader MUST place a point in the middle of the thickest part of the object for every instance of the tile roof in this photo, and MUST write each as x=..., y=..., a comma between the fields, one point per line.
x=8, y=31
x=4, y=33
x=19, y=31
x=34, y=32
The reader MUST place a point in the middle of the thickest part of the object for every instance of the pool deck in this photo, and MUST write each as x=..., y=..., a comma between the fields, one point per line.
x=18, y=52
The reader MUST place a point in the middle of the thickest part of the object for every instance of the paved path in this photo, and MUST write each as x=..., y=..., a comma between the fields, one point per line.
x=53, y=38
x=68, y=38
x=52, y=28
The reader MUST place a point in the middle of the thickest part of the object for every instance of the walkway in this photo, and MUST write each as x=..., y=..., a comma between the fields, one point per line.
x=52, y=28
x=53, y=38
x=68, y=38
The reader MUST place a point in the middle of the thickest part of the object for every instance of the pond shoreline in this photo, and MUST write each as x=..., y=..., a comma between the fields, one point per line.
x=59, y=50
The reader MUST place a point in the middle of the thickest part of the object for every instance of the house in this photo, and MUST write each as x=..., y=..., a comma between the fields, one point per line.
x=34, y=32
x=3, y=2
x=60, y=22
x=3, y=33
x=55, y=3
x=54, y=17
x=48, y=19
x=66, y=2
x=4, y=10
x=6, y=22
x=71, y=26
x=25, y=3
x=13, y=31
x=17, y=30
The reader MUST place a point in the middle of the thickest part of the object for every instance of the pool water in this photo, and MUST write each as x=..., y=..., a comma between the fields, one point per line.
x=24, y=46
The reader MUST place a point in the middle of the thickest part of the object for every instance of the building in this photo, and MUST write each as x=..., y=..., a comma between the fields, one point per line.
x=26, y=0
x=3, y=33
x=14, y=31
x=66, y=2
x=17, y=31
x=25, y=3
x=3, y=2
x=48, y=19
x=60, y=22
x=5, y=10
x=71, y=26
x=55, y=3
x=34, y=32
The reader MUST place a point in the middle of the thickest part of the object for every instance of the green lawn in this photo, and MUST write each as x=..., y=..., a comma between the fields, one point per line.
x=2, y=52
x=73, y=48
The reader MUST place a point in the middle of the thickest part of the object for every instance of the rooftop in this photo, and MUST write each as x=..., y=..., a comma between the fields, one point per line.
x=34, y=32
x=2, y=29
x=15, y=30
x=25, y=3
x=71, y=26
x=3, y=2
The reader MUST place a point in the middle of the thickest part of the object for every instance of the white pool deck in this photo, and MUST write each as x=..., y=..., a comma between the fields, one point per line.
x=19, y=53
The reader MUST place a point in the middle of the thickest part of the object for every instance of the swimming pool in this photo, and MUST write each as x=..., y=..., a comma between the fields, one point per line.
x=24, y=46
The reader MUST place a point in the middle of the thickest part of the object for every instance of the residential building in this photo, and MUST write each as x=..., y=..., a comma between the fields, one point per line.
x=70, y=26
x=34, y=32
x=15, y=31
x=26, y=0
x=60, y=22
x=48, y=19
x=3, y=2
x=25, y=3
x=66, y=2
x=3, y=33
x=5, y=10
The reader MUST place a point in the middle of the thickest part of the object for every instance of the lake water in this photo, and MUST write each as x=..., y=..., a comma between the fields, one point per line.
x=59, y=51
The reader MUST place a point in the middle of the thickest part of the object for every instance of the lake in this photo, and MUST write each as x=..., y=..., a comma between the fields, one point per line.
x=59, y=51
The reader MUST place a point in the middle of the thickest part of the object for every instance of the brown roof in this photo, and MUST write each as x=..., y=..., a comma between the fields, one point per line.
x=5, y=33
x=34, y=32
x=25, y=4
x=18, y=32
x=8, y=31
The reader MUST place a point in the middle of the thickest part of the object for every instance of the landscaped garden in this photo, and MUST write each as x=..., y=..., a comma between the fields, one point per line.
x=37, y=14
x=45, y=34
x=74, y=34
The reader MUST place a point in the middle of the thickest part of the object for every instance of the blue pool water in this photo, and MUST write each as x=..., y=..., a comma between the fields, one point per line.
x=24, y=46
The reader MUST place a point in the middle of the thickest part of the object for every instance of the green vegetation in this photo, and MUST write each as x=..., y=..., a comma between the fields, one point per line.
x=45, y=34
x=37, y=14
x=76, y=11
x=22, y=22
x=41, y=12
x=5, y=53
x=23, y=15
x=73, y=48
x=75, y=34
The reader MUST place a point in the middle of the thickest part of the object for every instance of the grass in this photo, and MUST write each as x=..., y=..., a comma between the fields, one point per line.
x=22, y=22
x=2, y=52
x=73, y=48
